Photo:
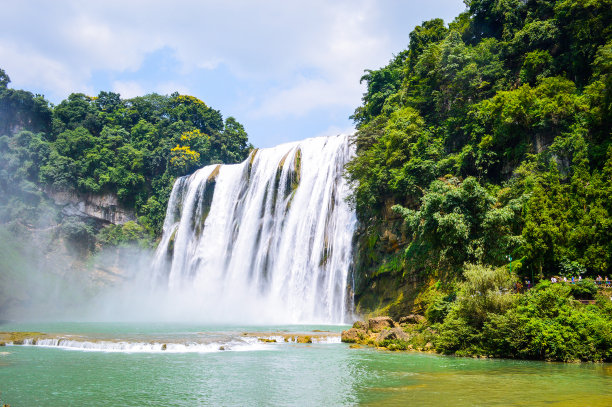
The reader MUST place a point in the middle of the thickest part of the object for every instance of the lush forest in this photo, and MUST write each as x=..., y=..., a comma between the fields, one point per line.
x=486, y=146
x=131, y=148
x=483, y=162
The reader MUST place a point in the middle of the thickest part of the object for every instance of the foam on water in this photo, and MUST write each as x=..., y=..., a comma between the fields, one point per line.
x=248, y=344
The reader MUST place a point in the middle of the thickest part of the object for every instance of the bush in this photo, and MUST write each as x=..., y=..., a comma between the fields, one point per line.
x=128, y=233
x=485, y=291
x=545, y=323
x=584, y=289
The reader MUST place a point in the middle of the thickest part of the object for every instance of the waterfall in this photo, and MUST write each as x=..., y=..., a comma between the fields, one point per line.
x=267, y=240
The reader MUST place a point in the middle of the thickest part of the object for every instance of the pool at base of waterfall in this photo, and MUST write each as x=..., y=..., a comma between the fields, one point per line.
x=92, y=364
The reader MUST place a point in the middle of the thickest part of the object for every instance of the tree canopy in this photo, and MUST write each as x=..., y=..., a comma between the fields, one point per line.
x=133, y=148
x=508, y=107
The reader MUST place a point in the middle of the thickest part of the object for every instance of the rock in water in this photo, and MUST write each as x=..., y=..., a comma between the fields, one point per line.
x=353, y=335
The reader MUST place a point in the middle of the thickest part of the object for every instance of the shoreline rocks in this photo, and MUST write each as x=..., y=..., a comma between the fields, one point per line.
x=410, y=333
x=379, y=323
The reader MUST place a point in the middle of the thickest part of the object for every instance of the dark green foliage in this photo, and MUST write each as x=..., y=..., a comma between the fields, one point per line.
x=21, y=110
x=544, y=323
x=105, y=144
x=510, y=108
x=491, y=139
x=461, y=222
x=584, y=289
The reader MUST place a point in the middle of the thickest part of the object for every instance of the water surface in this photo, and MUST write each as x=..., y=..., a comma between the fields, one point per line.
x=328, y=373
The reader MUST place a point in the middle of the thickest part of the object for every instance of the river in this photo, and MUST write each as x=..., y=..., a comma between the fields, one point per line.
x=124, y=365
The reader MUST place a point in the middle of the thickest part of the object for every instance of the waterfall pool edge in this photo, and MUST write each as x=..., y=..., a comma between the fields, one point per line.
x=279, y=373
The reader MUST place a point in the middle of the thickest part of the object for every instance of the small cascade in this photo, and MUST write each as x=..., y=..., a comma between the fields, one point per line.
x=268, y=240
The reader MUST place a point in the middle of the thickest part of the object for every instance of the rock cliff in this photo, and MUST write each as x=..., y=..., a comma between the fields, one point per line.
x=381, y=284
x=102, y=207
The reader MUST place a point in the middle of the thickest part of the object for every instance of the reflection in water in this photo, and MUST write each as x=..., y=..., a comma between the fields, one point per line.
x=432, y=380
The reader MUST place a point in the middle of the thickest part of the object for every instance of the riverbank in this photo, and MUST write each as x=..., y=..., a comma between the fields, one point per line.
x=484, y=318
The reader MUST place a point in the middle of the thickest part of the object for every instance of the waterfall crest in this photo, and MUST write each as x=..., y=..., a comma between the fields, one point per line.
x=267, y=240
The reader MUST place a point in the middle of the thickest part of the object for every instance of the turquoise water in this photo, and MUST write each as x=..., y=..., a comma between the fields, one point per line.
x=318, y=374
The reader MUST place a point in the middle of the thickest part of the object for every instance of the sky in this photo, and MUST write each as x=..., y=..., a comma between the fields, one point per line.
x=287, y=70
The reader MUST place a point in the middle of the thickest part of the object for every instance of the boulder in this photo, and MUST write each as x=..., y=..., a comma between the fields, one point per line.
x=412, y=319
x=379, y=323
x=392, y=334
x=360, y=325
x=353, y=335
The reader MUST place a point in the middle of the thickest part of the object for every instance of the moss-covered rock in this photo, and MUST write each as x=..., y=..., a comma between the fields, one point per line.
x=379, y=323
x=353, y=335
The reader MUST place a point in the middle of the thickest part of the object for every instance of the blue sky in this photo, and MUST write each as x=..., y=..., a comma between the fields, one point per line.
x=287, y=70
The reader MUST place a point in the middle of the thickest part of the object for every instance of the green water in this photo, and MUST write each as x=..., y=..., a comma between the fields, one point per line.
x=319, y=374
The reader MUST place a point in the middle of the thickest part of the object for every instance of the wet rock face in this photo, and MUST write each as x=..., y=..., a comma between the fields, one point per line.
x=379, y=323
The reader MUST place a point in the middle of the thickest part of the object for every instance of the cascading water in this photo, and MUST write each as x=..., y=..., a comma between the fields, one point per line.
x=268, y=240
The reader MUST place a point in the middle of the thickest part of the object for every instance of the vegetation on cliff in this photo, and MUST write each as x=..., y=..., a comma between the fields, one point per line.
x=491, y=136
x=131, y=148
x=486, y=144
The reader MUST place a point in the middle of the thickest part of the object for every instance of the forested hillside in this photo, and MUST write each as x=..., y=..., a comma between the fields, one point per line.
x=491, y=136
x=130, y=148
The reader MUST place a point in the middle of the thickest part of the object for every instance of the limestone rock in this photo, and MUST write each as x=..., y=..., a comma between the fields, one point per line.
x=412, y=319
x=392, y=334
x=104, y=207
x=379, y=323
x=353, y=335
x=360, y=325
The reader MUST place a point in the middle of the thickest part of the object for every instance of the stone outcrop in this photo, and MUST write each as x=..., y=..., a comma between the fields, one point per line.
x=379, y=323
x=392, y=334
x=353, y=335
x=412, y=319
x=382, y=283
x=102, y=207
x=384, y=333
x=360, y=325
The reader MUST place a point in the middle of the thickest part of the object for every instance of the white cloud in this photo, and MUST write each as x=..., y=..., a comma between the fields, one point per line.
x=128, y=89
x=29, y=69
x=295, y=56
x=305, y=96
x=335, y=130
x=168, y=88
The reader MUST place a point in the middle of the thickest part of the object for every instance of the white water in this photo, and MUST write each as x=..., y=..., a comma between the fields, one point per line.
x=234, y=344
x=266, y=241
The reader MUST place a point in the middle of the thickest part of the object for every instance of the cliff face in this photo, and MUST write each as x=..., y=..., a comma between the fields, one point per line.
x=381, y=284
x=101, y=207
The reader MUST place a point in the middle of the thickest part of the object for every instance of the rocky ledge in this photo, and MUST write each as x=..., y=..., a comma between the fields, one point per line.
x=103, y=207
x=409, y=333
